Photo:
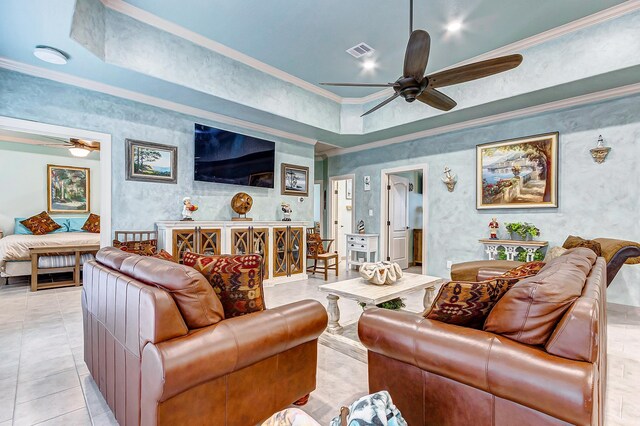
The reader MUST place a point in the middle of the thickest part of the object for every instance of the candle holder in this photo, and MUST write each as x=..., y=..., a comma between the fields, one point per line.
x=600, y=152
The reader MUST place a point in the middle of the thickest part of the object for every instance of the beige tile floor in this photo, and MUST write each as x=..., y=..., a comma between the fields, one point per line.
x=44, y=381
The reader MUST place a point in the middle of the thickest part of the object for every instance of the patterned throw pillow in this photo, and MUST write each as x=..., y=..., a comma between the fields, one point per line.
x=525, y=270
x=236, y=279
x=573, y=242
x=190, y=258
x=92, y=224
x=314, y=244
x=164, y=255
x=143, y=248
x=40, y=224
x=468, y=303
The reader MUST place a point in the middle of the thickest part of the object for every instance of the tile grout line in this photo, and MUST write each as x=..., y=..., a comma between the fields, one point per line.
x=64, y=414
x=15, y=396
x=75, y=365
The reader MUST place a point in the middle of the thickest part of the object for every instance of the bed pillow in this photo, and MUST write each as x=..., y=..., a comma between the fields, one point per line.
x=41, y=224
x=92, y=224
x=20, y=229
x=74, y=224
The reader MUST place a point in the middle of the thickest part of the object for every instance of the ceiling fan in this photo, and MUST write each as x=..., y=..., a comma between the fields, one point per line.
x=77, y=147
x=415, y=85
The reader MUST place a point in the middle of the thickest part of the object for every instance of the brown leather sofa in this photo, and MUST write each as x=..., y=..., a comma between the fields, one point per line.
x=442, y=374
x=152, y=367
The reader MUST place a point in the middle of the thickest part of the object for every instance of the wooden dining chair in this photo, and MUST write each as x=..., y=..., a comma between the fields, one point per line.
x=316, y=251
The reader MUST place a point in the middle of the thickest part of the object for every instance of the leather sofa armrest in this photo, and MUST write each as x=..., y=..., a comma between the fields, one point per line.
x=176, y=365
x=481, y=269
x=523, y=374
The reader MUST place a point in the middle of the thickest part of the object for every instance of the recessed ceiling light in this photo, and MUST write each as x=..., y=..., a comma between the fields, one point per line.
x=51, y=55
x=454, y=26
x=369, y=65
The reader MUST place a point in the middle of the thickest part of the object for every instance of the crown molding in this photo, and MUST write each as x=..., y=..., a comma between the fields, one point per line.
x=589, y=98
x=184, y=33
x=613, y=12
x=145, y=99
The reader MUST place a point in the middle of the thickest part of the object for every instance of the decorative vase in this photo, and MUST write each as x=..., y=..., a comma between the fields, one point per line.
x=515, y=236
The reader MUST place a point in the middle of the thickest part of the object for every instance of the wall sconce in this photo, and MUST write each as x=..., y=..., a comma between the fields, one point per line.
x=449, y=179
x=600, y=152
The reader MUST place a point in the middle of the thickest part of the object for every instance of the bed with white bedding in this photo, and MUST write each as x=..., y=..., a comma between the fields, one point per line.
x=14, y=249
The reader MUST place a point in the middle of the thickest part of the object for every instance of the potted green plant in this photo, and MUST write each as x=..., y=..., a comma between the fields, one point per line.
x=393, y=304
x=516, y=230
x=532, y=231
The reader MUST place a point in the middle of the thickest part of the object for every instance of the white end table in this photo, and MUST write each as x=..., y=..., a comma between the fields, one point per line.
x=361, y=243
x=360, y=290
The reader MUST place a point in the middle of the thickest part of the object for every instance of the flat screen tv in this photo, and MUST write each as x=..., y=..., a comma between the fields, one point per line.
x=227, y=157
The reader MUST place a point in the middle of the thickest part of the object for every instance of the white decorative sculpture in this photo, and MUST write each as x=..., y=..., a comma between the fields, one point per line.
x=188, y=208
x=286, y=211
x=381, y=273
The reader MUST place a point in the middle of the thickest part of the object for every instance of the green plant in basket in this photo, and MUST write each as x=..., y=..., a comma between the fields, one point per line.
x=393, y=304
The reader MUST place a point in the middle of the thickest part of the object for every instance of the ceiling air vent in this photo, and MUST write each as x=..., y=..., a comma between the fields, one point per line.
x=359, y=50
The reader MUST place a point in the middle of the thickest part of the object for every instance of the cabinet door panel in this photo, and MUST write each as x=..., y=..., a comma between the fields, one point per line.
x=260, y=238
x=210, y=241
x=184, y=240
x=240, y=241
x=296, y=249
x=280, y=252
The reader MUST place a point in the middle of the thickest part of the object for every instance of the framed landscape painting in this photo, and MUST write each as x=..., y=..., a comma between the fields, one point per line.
x=295, y=180
x=68, y=189
x=152, y=162
x=518, y=173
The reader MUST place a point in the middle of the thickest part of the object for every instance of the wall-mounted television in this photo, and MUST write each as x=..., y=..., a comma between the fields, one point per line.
x=226, y=157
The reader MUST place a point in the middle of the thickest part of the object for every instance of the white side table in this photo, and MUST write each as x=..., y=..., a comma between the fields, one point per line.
x=511, y=248
x=361, y=243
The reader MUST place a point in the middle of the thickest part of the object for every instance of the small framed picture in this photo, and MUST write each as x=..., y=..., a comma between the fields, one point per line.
x=348, y=194
x=294, y=180
x=151, y=162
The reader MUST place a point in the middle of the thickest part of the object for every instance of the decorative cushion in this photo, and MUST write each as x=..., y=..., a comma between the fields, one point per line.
x=522, y=271
x=143, y=248
x=314, y=244
x=529, y=312
x=553, y=253
x=20, y=229
x=92, y=224
x=236, y=279
x=165, y=255
x=573, y=242
x=193, y=295
x=468, y=303
x=40, y=224
x=190, y=258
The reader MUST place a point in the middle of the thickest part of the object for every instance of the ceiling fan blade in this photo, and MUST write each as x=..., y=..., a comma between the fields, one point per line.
x=436, y=99
x=359, y=84
x=381, y=104
x=474, y=71
x=417, y=54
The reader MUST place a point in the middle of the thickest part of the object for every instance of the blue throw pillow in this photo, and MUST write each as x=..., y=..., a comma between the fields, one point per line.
x=75, y=224
x=20, y=229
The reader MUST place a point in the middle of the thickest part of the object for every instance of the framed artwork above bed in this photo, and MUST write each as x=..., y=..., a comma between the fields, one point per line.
x=68, y=189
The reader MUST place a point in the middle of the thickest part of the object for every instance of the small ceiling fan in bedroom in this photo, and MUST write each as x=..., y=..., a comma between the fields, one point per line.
x=415, y=85
x=77, y=147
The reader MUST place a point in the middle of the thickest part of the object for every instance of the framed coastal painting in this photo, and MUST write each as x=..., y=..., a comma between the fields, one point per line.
x=68, y=189
x=151, y=162
x=295, y=180
x=518, y=173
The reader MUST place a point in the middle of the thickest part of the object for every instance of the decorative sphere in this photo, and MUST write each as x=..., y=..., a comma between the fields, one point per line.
x=241, y=203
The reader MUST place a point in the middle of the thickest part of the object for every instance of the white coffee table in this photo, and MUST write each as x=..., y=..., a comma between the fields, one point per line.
x=371, y=295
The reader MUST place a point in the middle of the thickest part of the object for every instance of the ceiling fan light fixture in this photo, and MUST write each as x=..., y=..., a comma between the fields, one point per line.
x=50, y=55
x=454, y=26
x=369, y=64
x=79, y=152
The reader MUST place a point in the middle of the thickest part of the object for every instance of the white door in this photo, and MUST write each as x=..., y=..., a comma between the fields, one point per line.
x=342, y=216
x=399, y=220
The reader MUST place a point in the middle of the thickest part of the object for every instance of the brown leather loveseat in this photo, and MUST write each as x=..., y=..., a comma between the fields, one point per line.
x=161, y=352
x=443, y=374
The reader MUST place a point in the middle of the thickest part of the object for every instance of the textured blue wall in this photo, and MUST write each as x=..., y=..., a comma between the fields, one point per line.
x=138, y=205
x=595, y=200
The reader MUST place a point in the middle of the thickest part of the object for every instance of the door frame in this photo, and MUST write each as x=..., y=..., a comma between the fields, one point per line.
x=384, y=211
x=392, y=231
x=39, y=128
x=322, y=205
x=332, y=179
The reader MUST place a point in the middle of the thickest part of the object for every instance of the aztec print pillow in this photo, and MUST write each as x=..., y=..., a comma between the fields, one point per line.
x=314, y=244
x=164, y=255
x=236, y=279
x=468, y=303
x=143, y=248
x=40, y=224
x=92, y=224
x=525, y=270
